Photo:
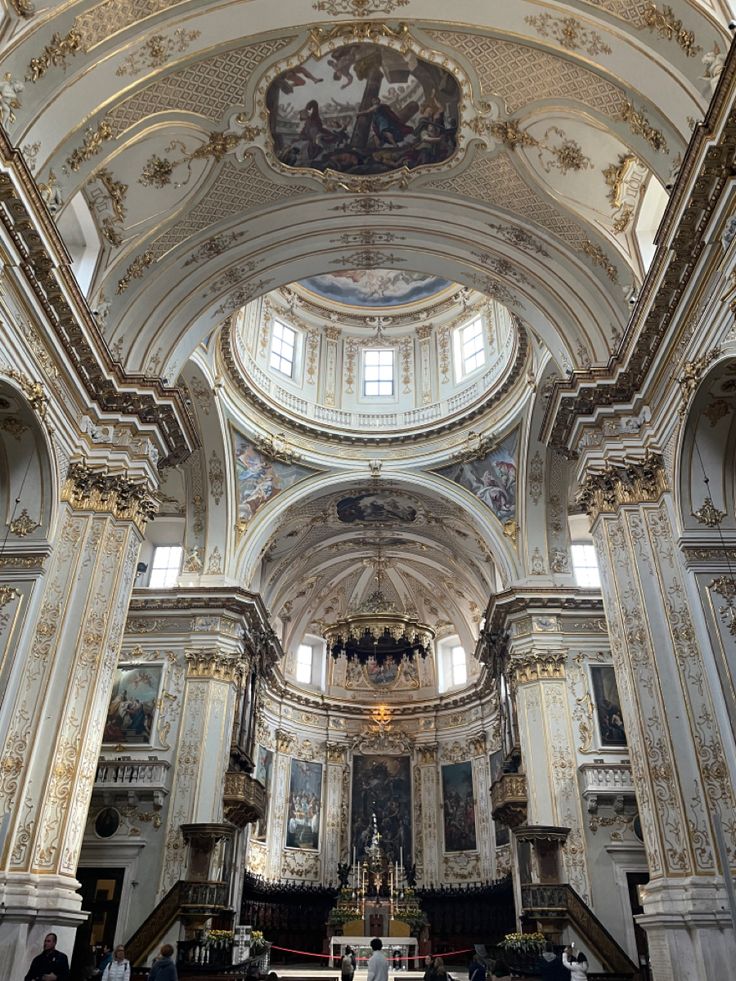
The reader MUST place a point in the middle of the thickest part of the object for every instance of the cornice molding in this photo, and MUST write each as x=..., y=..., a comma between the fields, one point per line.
x=681, y=241
x=49, y=277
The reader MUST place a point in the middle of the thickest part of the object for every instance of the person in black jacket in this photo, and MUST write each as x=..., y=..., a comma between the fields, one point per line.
x=550, y=967
x=50, y=964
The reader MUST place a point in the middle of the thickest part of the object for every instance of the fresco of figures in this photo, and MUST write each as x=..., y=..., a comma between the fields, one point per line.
x=364, y=109
x=305, y=805
x=386, y=508
x=459, y=807
x=382, y=786
x=259, y=478
x=608, y=705
x=130, y=715
x=492, y=478
x=375, y=287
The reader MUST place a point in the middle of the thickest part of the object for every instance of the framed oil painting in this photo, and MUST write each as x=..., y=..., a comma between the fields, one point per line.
x=364, y=109
x=133, y=702
x=264, y=772
x=607, y=705
x=305, y=805
x=382, y=786
x=459, y=807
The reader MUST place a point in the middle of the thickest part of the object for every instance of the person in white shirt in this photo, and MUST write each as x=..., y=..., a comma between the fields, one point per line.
x=377, y=963
x=577, y=966
x=119, y=968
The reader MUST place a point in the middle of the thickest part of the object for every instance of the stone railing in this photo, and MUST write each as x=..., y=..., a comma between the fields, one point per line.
x=509, y=799
x=609, y=782
x=138, y=778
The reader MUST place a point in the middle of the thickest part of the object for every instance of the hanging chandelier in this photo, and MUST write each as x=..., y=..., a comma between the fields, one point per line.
x=377, y=630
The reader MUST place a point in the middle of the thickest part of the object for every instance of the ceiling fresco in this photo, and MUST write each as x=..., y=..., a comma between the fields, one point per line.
x=376, y=287
x=363, y=109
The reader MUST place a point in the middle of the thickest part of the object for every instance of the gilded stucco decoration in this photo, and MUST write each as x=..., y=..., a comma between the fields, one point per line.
x=55, y=54
x=358, y=8
x=209, y=87
x=23, y=525
x=92, y=145
x=670, y=27
x=569, y=33
x=156, y=51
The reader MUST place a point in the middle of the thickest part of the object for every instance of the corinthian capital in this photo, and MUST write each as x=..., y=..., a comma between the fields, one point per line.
x=629, y=482
x=88, y=489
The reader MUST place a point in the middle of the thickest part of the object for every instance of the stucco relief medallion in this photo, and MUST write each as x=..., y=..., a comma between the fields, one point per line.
x=363, y=107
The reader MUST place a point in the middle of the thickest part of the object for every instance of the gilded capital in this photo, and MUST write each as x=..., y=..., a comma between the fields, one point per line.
x=337, y=753
x=541, y=666
x=87, y=489
x=215, y=667
x=427, y=753
x=630, y=482
x=284, y=741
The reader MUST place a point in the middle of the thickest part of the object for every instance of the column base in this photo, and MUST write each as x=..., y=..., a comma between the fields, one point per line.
x=30, y=907
x=689, y=929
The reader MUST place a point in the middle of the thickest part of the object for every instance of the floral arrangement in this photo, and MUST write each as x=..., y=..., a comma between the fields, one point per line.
x=524, y=943
x=220, y=935
x=258, y=943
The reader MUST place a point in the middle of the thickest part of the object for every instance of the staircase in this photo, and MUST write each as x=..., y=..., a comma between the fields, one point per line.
x=185, y=898
x=560, y=904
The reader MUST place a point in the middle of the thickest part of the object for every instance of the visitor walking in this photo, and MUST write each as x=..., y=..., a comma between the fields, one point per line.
x=377, y=963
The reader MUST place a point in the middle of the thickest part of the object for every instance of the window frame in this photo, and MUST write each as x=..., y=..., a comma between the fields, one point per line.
x=298, y=664
x=272, y=354
x=168, y=581
x=364, y=380
x=459, y=343
x=579, y=570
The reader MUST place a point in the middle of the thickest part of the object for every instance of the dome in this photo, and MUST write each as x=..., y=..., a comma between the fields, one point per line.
x=378, y=353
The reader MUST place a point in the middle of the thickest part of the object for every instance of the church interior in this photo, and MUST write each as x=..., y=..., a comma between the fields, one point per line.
x=367, y=482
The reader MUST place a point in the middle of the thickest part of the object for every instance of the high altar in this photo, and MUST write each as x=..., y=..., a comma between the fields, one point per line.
x=401, y=952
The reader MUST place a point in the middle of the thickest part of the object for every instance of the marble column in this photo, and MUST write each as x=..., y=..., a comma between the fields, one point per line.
x=203, y=755
x=57, y=709
x=429, y=791
x=682, y=754
x=334, y=843
x=538, y=650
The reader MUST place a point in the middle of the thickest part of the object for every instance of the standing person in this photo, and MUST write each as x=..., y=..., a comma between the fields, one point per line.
x=119, y=968
x=347, y=965
x=377, y=963
x=104, y=959
x=550, y=966
x=50, y=964
x=440, y=971
x=429, y=974
x=164, y=968
x=477, y=970
x=578, y=967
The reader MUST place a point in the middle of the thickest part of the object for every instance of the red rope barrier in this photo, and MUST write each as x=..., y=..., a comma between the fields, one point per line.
x=329, y=957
